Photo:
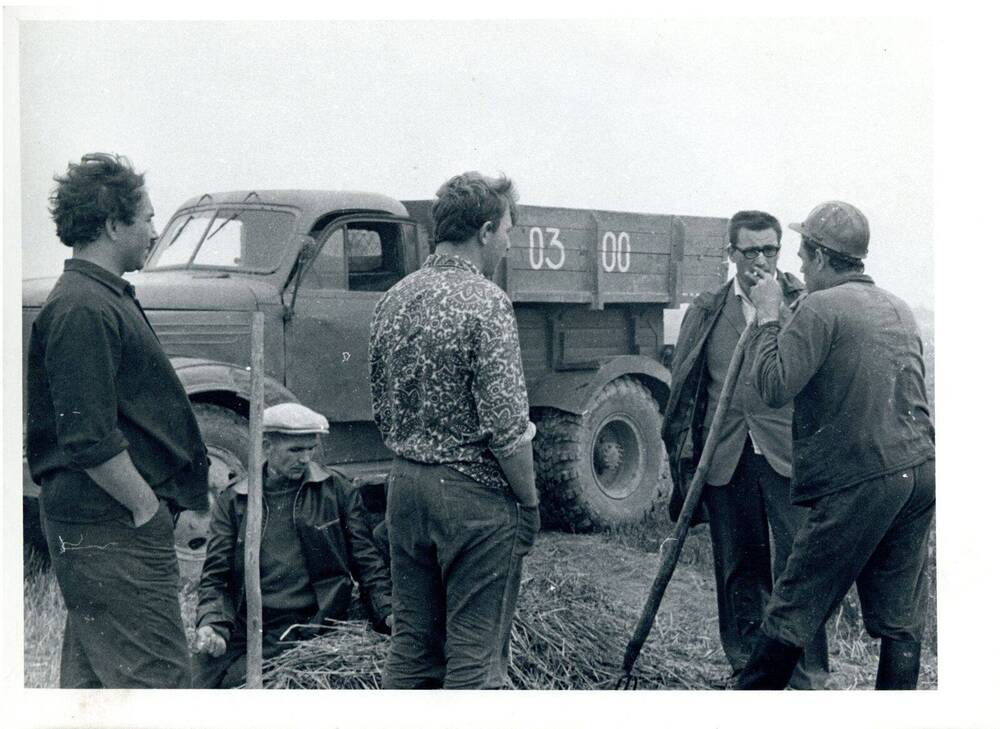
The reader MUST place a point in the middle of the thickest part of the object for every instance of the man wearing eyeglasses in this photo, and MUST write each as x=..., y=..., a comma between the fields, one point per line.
x=746, y=499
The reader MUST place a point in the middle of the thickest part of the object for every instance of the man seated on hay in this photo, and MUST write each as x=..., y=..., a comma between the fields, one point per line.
x=314, y=544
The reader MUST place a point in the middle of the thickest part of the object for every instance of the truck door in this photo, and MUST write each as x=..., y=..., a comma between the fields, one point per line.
x=326, y=340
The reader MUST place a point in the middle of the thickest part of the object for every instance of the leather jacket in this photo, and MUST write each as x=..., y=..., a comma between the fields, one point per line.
x=683, y=418
x=336, y=543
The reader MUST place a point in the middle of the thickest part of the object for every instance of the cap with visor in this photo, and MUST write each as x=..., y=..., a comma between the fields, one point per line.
x=292, y=418
x=837, y=226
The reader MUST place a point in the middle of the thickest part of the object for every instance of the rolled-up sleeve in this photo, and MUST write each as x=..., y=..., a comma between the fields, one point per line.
x=498, y=388
x=785, y=359
x=82, y=355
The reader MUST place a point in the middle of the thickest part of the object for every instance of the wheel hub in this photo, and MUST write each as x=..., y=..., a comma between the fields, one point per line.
x=617, y=457
x=608, y=456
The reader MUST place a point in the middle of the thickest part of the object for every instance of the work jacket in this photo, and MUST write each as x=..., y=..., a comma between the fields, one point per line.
x=852, y=358
x=684, y=417
x=336, y=545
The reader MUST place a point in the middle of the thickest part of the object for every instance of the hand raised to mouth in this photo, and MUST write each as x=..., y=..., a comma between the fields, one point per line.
x=766, y=296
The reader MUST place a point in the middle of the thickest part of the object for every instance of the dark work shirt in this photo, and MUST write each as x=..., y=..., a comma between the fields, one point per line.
x=447, y=380
x=284, y=579
x=99, y=383
x=852, y=359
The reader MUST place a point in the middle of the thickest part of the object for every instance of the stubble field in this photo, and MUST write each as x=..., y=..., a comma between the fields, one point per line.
x=565, y=577
x=566, y=574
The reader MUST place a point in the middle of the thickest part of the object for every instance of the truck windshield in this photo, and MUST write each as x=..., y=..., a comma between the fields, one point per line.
x=247, y=239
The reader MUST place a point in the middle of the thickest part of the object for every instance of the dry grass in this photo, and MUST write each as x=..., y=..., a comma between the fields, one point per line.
x=853, y=653
x=569, y=632
x=579, y=602
x=44, y=621
x=348, y=656
x=682, y=649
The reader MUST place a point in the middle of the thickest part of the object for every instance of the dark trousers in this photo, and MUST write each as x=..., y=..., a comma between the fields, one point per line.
x=456, y=548
x=120, y=585
x=740, y=515
x=230, y=669
x=875, y=534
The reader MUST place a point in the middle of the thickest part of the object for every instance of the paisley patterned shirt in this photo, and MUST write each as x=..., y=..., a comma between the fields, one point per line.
x=447, y=381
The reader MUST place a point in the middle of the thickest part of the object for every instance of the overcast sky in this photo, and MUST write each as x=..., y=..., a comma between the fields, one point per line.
x=699, y=117
x=680, y=116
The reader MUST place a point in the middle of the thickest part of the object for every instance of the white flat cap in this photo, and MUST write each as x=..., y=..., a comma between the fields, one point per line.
x=294, y=419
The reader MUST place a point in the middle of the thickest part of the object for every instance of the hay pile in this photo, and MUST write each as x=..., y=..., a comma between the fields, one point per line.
x=349, y=655
x=567, y=634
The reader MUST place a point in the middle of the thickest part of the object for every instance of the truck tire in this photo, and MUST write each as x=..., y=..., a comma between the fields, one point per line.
x=604, y=468
x=227, y=440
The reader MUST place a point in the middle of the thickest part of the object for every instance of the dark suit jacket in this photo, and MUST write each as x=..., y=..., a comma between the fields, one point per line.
x=684, y=417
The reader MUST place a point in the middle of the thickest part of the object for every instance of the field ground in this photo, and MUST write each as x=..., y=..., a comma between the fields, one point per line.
x=618, y=568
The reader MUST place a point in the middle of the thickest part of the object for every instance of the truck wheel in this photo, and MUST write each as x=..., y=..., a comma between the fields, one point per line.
x=227, y=440
x=603, y=468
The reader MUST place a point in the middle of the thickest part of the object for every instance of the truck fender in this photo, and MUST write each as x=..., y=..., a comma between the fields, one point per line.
x=572, y=390
x=203, y=375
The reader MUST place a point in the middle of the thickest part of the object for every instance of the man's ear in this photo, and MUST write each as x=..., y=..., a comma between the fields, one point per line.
x=484, y=230
x=111, y=228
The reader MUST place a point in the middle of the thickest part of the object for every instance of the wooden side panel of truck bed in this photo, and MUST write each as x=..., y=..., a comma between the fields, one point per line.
x=596, y=257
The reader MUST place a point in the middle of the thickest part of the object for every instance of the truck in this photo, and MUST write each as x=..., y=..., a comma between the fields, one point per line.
x=589, y=290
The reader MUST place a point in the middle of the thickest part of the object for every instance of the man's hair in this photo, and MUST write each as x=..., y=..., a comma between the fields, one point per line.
x=838, y=261
x=101, y=187
x=752, y=220
x=467, y=201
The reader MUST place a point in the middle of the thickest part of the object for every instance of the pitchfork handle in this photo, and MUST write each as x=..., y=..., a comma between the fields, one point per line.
x=671, y=547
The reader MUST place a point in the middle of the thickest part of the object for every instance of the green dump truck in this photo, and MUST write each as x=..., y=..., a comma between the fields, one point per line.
x=589, y=289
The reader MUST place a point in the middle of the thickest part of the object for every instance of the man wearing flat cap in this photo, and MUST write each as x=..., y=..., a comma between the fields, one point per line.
x=851, y=358
x=314, y=545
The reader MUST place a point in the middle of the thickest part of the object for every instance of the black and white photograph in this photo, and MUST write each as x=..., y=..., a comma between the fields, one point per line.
x=589, y=359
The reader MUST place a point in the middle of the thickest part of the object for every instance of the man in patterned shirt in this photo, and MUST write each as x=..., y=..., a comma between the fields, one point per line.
x=450, y=400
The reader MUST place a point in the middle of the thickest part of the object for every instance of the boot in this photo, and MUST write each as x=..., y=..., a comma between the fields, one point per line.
x=898, y=665
x=770, y=665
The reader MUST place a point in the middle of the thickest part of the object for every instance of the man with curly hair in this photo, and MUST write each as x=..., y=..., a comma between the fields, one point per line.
x=111, y=440
x=450, y=400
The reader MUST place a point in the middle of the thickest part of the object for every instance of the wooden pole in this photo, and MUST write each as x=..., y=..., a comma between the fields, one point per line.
x=671, y=547
x=255, y=505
